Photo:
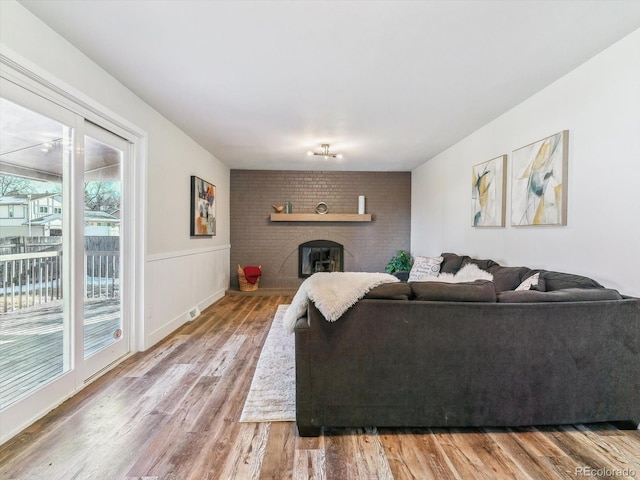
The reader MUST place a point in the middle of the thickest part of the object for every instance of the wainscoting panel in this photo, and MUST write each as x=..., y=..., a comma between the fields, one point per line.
x=179, y=286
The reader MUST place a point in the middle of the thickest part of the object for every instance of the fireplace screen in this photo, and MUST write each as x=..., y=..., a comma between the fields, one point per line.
x=320, y=256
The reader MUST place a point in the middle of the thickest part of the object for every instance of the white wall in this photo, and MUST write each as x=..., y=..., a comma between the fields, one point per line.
x=172, y=157
x=599, y=103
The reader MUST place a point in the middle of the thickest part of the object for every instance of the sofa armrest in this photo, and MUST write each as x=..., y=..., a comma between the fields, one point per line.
x=301, y=324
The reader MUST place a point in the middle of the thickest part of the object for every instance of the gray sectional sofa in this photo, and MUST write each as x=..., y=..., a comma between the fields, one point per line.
x=429, y=354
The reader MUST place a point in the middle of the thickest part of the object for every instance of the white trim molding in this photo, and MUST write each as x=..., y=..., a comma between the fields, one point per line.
x=184, y=253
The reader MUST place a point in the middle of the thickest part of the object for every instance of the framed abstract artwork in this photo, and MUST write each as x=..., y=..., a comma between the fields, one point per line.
x=539, y=182
x=203, y=208
x=488, y=191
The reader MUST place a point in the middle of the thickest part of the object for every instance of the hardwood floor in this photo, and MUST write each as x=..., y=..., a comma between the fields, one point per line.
x=172, y=413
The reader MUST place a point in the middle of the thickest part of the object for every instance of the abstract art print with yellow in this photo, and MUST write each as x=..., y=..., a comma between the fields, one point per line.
x=539, y=182
x=488, y=193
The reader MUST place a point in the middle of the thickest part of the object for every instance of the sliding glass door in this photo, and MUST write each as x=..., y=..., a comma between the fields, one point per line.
x=105, y=334
x=63, y=264
x=35, y=321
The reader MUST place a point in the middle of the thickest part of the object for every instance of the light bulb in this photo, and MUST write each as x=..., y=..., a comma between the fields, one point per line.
x=309, y=153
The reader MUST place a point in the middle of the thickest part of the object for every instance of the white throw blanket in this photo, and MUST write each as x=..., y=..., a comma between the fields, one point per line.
x=333, y=293
x=468, y=273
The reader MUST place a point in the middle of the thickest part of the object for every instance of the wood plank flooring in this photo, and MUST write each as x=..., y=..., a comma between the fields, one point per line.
x=172, y=413
x=31, y=343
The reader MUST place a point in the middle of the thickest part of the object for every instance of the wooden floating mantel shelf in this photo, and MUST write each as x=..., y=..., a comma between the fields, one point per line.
x=317, y=217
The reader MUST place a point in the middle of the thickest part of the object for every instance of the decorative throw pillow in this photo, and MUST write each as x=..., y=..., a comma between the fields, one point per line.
x=530, y=283
x=424, y=267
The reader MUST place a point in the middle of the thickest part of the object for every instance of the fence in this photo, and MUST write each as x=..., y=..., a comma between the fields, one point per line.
x=30, y=279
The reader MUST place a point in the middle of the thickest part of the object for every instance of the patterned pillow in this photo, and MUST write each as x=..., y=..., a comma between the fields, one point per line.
x=530, y=283
x=424, y=267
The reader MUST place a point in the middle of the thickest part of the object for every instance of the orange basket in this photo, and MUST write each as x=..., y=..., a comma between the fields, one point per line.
x=245, y=286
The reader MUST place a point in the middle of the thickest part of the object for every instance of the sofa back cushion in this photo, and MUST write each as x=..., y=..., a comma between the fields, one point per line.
x=451, y=262
x=390, y=291
x=477, y=291
x=559, y=281
x=565, y=295
x=508, y=278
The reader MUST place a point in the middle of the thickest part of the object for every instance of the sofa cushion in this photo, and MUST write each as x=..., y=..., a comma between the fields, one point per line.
x=451, y=262
x=564, y=295
x=424, y=267
x=560, y=281
x=508, y=278
x=477, y=291
x=390, y=291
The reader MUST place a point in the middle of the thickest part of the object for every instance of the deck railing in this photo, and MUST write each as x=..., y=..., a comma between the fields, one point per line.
x=103, y=274
x=30, y=279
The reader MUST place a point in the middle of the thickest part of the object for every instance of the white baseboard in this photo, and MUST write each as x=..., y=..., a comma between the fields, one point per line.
x=175, y=323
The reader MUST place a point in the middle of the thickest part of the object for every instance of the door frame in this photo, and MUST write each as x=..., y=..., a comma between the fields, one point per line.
x=29, y=76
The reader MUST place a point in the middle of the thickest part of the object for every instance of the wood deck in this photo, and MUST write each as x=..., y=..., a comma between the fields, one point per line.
x=172, y=412
x=31, y=343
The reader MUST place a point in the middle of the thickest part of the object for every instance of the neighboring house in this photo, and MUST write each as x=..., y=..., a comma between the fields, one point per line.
x=40, y=215
x=101, y=224
x=23, y=215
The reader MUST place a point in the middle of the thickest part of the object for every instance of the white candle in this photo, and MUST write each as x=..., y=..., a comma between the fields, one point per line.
x=361, y=204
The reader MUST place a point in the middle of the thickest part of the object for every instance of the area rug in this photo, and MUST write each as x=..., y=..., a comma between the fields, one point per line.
x=272, y=396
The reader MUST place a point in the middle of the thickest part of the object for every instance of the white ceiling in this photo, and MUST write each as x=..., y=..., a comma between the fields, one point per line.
x=389, y=84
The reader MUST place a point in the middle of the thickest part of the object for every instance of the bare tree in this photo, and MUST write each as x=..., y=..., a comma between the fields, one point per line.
x=102, y=196
x=99, y=196
x=10, y=185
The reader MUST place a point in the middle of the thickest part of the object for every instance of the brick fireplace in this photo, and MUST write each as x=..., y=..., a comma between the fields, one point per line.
x=367, y=246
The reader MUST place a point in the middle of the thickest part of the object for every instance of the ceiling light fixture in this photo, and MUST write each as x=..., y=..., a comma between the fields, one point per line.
x=325, y=152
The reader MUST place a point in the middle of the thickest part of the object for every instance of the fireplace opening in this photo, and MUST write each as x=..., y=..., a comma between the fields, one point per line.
x=320, y=256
